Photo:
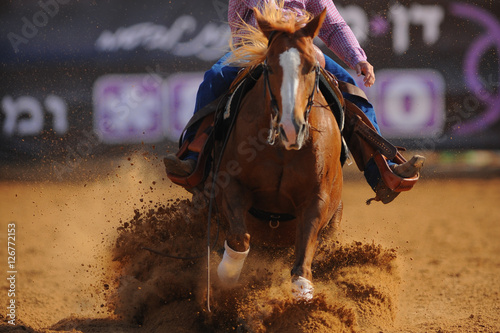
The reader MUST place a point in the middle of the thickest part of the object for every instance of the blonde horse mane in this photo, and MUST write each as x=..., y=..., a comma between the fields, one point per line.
x=249, y=44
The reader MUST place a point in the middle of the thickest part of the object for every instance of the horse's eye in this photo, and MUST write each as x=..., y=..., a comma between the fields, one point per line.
x=308, y=70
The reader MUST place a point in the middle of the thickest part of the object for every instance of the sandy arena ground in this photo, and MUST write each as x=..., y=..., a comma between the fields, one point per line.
x=428, y=262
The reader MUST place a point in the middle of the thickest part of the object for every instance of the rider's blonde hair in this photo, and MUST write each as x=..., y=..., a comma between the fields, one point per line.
x=249, y=44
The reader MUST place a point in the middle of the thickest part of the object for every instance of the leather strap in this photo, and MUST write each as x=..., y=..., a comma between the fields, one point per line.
x=393, y=181
x=343, y=86
x=202, y=113
x=371, y=136
x=377, y=147
x=361, y=124
x=268, y=216
x=352, y=89
x=201, y=144
x=217, y=104
x=328, y=86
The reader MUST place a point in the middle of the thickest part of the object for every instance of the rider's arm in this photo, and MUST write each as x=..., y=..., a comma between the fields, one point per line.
x=240, y=9
x=336, y=34
x=339, y=38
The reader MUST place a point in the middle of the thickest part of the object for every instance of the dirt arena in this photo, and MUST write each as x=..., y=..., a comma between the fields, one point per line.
x=428, y=262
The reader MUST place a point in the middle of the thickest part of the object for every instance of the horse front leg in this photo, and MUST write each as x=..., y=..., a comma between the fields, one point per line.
x=237, y=244
x=305, y=247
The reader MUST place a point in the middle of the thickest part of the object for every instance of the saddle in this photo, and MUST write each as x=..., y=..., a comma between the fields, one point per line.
x=358, y=132
x=213, y=122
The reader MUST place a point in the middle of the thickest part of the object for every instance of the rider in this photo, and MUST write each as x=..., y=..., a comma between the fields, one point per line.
x=340, y=39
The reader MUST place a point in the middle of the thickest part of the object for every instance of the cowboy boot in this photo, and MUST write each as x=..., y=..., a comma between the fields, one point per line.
x=178, y=167
x=400, y=176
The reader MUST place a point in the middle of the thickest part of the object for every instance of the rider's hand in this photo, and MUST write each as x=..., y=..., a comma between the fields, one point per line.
x=366, y=69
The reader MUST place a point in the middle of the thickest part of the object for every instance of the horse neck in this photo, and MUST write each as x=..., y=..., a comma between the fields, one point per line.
x=256, y=111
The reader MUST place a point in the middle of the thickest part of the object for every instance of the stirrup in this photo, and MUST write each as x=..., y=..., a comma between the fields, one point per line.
x=201, y=144
x=390, y=185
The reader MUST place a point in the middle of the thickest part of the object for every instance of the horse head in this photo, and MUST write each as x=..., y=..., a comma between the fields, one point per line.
x=291, y=71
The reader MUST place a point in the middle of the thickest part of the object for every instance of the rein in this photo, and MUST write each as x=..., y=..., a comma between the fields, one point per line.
x=310, y=100
x=275, y=111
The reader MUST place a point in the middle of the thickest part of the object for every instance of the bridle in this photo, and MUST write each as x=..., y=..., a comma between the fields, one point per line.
x=275, y=112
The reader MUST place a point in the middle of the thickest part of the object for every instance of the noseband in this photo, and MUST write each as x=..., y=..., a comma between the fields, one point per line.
x=275, y=112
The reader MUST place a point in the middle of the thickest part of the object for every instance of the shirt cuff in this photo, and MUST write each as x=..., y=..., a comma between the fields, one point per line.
x=355, y=57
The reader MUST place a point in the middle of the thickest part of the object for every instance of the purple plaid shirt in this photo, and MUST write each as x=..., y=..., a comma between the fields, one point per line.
x=335, y=32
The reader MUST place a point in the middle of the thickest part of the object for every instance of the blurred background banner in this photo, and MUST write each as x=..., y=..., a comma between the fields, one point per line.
x=83, y=78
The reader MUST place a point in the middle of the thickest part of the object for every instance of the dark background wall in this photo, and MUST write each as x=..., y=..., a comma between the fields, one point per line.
x=88, y=77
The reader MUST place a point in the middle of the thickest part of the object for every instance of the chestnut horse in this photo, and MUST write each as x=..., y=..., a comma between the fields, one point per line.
x=283, y=153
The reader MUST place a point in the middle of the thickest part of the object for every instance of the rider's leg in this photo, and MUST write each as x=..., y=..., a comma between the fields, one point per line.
x=371, y=171
x=216, y=81
x=341, y=74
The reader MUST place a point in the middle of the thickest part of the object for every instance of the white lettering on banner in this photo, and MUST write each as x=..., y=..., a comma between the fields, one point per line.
x=59, y=110
x=24, y=116
x=429, y=17
x=209, y=43
x=357, y=19
x=13, y=110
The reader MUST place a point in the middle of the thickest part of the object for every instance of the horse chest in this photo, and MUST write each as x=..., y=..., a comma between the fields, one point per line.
x=280, y=174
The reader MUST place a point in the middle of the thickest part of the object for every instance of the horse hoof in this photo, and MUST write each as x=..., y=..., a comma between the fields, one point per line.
x=302, y=289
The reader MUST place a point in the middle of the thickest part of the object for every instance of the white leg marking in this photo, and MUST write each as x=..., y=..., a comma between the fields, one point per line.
x=302, y=289
x=230, y=267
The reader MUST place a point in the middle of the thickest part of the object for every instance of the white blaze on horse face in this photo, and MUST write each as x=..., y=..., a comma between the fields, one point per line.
x=290, y=62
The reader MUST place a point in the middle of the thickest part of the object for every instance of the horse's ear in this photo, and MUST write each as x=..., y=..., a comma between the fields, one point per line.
x=263, y=23
x=312, y=28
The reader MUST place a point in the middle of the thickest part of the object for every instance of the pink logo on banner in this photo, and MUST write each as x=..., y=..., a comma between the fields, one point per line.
x=180, y=90
x=128, y=108
x=484, y=91
x=410, y=103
